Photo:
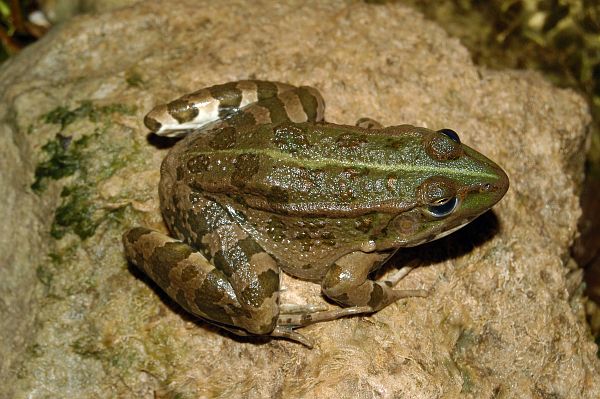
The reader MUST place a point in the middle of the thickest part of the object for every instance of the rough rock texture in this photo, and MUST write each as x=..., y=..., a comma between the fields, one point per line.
x=505, y=315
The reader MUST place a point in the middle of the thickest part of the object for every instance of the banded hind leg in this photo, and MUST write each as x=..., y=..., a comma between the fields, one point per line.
x=213, y=270
x=242, y=103
x=211, y=267
x=202, y=289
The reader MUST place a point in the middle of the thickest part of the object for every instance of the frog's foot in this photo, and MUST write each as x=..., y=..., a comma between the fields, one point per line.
x=302, y=319
x=304, y=315
x=368, y=123
x=347, y=282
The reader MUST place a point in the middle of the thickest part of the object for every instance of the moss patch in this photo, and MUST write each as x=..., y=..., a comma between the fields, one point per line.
x=90, y=159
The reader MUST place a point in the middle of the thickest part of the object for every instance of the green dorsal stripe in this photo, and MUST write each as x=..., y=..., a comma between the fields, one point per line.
x=322, y=162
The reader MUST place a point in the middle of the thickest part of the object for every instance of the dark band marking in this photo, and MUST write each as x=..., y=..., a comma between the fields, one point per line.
x=164, y=258
x=376, y=296
x=255, y=294
x=223, y=138
x=265, y=90
x=309, y=104
x=241, y=118
x=277, y=111
x=208, y=296
x=189, y=273
x=249, y=247
x=152, y=124
x=223, y=264
x=229, y=97
x=134, y=234
x=182, y=111
x=246, y=166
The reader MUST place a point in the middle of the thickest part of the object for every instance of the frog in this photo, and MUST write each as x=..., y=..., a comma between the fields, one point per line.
x=259, y=183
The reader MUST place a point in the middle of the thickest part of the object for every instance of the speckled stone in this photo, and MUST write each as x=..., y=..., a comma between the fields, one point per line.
x=505, y=314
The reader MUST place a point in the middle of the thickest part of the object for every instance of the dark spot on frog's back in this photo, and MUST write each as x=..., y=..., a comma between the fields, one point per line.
x=279, y=195
x=198, y=163
x=363, y=224
x=182, y=111
x=441, y=147
x=351, y=140
x=289, y=137
x=246, y=166
x=223, y=138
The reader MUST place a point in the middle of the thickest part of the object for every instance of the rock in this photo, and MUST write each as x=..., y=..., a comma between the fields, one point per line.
x=505, y=316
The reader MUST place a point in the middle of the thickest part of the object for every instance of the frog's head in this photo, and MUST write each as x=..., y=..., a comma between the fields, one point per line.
x=453, y=186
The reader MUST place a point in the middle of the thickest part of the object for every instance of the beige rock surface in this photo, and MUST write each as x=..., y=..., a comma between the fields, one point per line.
x=504, y=318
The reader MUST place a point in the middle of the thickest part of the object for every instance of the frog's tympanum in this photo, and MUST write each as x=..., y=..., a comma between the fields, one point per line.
x=260, y=183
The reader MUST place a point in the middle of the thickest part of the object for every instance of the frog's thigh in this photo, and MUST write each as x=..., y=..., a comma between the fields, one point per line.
x=200, y=288
x=197, y=109
x=347, y=282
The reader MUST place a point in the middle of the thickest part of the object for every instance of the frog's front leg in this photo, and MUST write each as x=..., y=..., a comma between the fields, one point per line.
x=247, y=301
x=347, y=282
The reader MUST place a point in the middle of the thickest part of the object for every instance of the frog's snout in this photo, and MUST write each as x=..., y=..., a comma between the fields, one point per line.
x=499, y=186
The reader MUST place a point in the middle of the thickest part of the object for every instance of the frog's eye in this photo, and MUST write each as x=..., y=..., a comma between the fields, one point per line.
x=443, y=207
x=451, y=134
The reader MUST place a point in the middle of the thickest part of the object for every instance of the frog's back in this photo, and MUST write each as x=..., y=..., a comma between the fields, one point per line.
x=309, y=169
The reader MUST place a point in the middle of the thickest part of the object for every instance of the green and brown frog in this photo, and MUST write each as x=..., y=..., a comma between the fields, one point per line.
x=260, y=183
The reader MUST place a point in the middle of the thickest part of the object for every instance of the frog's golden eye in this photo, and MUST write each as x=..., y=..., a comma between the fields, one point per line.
x=451, y=134
x=443, y=207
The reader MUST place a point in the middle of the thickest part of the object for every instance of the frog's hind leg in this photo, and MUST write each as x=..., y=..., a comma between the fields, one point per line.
x=231, y=104
x=201, y=288
x=347, y=282
x=200, y=108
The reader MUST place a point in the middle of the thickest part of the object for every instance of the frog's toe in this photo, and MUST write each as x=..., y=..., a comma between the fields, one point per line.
x=289, y=333
x=292, y=308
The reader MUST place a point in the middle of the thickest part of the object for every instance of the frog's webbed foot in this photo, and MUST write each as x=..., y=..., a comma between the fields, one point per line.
x=368, y=123
x=304, y=315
